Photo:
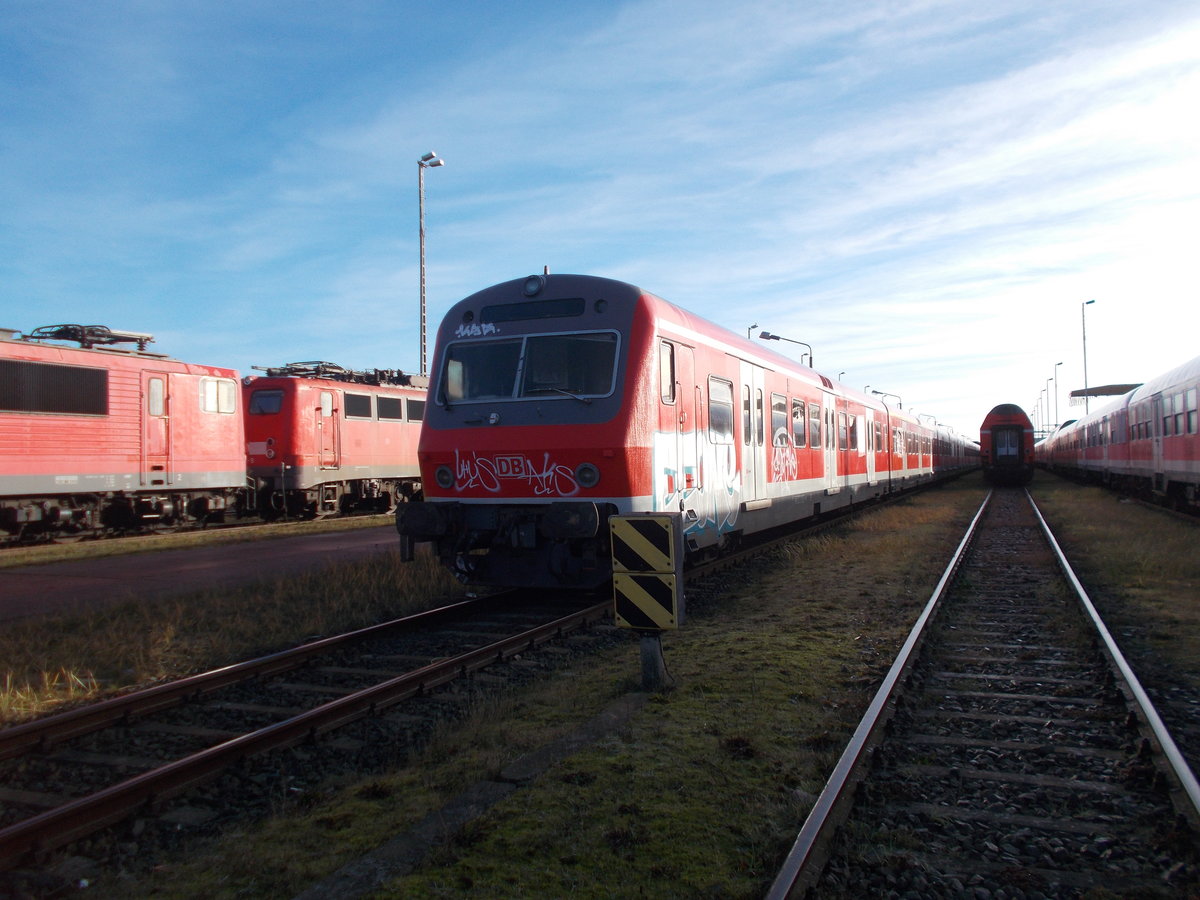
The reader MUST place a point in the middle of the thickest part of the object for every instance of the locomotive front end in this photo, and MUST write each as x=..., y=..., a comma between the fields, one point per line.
x=527, y=447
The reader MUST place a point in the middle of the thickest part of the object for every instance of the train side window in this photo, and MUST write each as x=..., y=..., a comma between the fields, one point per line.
x=853, y=424
x=266, y=403
x=326, y=406
x=666, y=371
x=1179, y=413
x=156, y=404
x=416, y=410
x=720, y=411
x=1191, y=411
x=390, y=408
x=798, y=423
x=779, y=421
x=48, y=387
x=814, y=426
x=843, y=432
x=357, y=406
x=218, y=395
x=747, y=418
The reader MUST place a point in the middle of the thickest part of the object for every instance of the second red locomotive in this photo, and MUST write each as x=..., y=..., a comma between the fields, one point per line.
x=322, y=440
x=560, y=400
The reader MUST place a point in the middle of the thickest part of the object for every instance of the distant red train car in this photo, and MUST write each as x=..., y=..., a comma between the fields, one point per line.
x=322, y=440
x=1006, y=445
x=1147, y=442
x=95, y=438
x=560, y=400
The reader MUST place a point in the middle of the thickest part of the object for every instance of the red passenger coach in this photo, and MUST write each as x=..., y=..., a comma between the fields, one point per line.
x=1006, y=445
x=96, y=438
x=1147, y=442
x=560, y=400
x=321, y=439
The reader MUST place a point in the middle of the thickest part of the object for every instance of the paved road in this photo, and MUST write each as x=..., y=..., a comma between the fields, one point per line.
x=65, y=586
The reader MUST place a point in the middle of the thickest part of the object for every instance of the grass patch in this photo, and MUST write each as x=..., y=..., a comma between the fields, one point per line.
x=699, y=794
x=50, y=660
x=39, y=554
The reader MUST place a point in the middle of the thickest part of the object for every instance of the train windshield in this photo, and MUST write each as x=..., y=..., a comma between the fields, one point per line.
x=568, y=365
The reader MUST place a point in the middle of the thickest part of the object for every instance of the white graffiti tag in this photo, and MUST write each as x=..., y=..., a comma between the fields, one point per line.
x=783, y=458
x=488, y=473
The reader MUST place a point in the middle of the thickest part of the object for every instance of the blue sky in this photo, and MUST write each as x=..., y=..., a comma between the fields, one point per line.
x=924, y=191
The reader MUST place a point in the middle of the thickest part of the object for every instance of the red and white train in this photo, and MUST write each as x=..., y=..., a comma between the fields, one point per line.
x=98, y=439
x=1147, y=442
x=560, y=400
x=1006, y=445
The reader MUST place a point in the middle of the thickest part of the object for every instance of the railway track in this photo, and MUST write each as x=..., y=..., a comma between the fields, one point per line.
x=67, y=776
x=1010, y=751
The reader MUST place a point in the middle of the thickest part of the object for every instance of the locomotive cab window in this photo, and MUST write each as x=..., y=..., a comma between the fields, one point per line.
x=266, y=403
x=218, y=395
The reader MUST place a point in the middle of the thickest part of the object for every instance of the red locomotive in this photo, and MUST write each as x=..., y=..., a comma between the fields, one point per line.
x=1006, y=445
x=97, y=438
x=1146, y=442
x=321, y=439
x=559, y=400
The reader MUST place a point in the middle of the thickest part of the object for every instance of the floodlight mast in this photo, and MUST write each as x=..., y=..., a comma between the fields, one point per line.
x=429, y=161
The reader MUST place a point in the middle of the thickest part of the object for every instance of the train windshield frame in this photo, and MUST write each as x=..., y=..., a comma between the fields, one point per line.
x=579, y=365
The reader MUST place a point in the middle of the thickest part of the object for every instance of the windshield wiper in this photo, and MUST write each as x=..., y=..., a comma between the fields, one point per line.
x=584, y=400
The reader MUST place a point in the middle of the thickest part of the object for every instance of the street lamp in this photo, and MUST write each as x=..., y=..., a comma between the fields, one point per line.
x=429, y=161
x=1083, y=316
x=1049, y=423
x=1057, y=420
x=767, y=336
x=886, y=394
x=750, y=329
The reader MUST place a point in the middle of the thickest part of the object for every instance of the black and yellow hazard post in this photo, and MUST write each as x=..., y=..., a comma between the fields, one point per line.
x=647, y=564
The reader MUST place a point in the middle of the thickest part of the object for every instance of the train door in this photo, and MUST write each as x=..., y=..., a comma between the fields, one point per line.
x=1158, y=430
x=156, y=428
x=327, y=431
x=754, y=465
x=833, y=478
x=687, y=430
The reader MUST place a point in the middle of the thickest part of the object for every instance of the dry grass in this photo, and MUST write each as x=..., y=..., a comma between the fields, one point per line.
x=50, y=660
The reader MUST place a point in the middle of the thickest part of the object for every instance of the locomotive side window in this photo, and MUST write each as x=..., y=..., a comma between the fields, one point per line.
x=798, y=417
x=266, y=403
x=779, y=420
x=814, y=426
x=155, y=394
x=218, y=395
x=390, y=408
x=720, y=411
x=666, y=371
x=49, y=388
x=357, y=406
x=416, y=410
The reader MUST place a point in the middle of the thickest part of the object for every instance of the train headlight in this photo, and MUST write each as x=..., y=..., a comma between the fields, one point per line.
x=444, y=477
x=587, y=475
x=533, y=285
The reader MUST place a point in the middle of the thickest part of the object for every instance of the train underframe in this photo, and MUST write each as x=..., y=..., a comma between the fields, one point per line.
x=335, y=498
x=68, y=517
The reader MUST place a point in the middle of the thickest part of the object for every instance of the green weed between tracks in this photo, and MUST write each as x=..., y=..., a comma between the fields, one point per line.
x=699, y=794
